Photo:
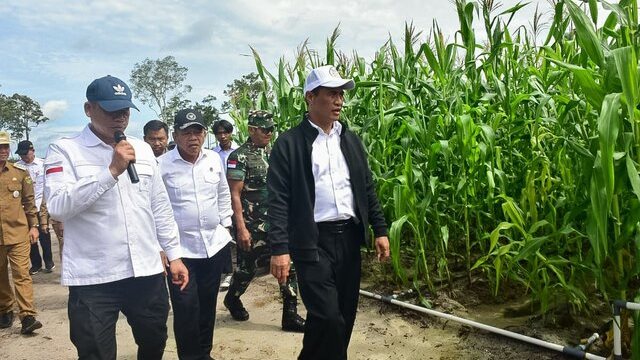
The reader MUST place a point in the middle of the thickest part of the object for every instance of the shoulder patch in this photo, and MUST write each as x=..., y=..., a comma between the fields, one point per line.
x=19, y=166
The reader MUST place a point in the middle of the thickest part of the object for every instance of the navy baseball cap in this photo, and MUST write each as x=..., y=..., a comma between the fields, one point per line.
x=187, y=117
x=24, y=146
x=111, y=93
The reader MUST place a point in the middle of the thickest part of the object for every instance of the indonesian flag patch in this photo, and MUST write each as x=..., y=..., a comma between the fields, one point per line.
x=231, y=164
x=54, y=170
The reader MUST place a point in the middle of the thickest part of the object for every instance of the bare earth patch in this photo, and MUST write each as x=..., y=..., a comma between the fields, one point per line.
x=381, y=332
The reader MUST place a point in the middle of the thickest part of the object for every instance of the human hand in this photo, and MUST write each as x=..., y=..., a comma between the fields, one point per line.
x=280, y=265
x=165, y=262
x=179, y=273
x=34, y=234
x=382, y=248
x=123, y=154
x=243, y=239
x=44, y=228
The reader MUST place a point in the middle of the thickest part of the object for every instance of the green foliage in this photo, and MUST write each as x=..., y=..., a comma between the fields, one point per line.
x=159, y=85
x=508, y=159
x=18, y=114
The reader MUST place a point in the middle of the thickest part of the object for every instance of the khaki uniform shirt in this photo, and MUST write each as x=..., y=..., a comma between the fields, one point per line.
x=17, y=204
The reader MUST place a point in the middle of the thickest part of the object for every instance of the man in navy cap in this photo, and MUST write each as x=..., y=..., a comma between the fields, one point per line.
x=200, y=198
x=113, y=229
x=35, y=166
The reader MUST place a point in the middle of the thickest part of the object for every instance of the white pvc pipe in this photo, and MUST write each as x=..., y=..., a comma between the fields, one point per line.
x=563, y=349
x=617, y=338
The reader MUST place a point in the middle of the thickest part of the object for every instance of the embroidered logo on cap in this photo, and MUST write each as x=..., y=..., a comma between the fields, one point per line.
x=191, y=116
x=333, y=72
x=119, y=90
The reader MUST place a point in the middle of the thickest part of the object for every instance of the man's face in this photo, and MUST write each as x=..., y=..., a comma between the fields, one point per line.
x=158, y=140
x=326, y=103
x=105, y=123
x=4, y=152
x=189, y=141
x=260, y=136
x=29, y=156
x=224, y=138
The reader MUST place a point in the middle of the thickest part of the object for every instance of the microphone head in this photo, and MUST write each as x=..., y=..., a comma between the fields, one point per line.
x=119, y=136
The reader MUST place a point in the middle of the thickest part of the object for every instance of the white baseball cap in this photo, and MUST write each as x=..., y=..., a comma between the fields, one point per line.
x=326, y=76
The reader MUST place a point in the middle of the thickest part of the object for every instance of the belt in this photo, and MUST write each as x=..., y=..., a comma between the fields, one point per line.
x=338, y=225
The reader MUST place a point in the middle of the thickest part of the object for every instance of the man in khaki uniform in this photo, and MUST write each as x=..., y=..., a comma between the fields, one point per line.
x=18, y=228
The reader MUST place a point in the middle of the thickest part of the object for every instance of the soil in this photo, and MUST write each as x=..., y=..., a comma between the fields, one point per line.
x=381, y=331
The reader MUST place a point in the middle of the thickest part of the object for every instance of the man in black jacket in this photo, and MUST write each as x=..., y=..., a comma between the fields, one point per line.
x=321, y=202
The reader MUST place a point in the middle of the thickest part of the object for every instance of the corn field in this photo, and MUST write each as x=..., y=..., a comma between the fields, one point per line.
x=515, y=159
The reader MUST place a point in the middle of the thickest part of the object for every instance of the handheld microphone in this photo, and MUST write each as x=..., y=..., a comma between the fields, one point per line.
x=131, y=169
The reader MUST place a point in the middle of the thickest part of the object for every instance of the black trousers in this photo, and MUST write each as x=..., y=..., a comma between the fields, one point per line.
x=194, y=308
x=329, y=290
x=45, y=242
x=94, y=309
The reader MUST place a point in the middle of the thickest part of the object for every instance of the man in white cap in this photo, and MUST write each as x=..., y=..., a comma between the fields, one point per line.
x=322, y=201
x=114, y=226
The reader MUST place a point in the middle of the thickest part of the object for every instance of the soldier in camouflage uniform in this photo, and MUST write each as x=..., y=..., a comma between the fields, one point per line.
x=247, y=176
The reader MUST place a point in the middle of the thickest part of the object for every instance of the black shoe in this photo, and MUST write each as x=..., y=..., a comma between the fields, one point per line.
x=6, y=320
x=291, y=321
x=29, y=324
x=48, y=269
x=34, y=270
x=237, y=310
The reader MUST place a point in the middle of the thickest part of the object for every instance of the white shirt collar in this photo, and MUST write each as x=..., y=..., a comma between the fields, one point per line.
x=336, y=128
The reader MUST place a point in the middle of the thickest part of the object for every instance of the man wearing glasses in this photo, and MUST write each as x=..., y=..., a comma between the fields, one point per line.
x=247, y=177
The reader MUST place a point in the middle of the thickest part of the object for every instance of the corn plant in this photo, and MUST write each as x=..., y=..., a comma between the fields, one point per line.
x=514, y=159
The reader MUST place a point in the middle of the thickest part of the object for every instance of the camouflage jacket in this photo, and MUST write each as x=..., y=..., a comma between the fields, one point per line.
x=249, y=163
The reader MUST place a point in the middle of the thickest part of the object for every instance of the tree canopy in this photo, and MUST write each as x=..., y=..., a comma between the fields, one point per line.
x=19, y=113
x=159, y=85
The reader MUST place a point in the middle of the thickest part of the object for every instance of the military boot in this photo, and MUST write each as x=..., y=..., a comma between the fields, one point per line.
x=235, y=307
x=291, y=321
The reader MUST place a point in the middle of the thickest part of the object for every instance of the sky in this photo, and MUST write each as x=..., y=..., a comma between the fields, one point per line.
x=50, y=50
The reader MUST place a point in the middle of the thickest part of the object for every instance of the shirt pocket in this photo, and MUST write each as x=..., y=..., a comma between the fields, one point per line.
x=211, y=178
x=174, y=183
x=15, y=191
x=145, y=174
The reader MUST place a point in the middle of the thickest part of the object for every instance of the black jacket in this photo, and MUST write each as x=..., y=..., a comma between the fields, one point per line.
x=292, y=228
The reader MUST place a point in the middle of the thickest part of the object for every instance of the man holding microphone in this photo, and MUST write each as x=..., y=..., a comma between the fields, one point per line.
x=113, y=227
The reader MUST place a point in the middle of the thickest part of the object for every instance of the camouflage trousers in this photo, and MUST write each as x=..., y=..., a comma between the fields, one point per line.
x=248, y=263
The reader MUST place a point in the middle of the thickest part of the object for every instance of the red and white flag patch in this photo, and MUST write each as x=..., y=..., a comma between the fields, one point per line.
x=231, y=164
x=53, y=170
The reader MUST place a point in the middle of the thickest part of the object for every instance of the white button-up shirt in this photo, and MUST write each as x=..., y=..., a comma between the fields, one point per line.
x=224, y=154
x=334, y=197
x=112, y=228
x=201, y=201
x=36, y=172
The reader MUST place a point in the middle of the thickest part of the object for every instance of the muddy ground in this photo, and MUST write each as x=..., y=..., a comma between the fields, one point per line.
x=381, y=331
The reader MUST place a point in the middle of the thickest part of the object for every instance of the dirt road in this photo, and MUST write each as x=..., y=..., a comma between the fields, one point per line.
x=380, y=332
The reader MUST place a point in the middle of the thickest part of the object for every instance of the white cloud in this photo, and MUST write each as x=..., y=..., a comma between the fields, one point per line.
x=54, y=109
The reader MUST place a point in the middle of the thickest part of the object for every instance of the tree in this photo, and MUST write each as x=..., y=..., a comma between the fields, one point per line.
x=209, y=112
x=243, y=93
x=156, y=83
x=18, y=113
